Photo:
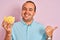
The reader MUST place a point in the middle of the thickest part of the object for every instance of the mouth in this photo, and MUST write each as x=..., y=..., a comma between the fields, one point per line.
x=26, y=14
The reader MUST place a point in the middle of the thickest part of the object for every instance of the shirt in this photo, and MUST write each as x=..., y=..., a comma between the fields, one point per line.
x=22, y=31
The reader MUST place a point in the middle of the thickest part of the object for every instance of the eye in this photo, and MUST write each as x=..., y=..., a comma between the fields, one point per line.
x=24, y=8
x=30, y=9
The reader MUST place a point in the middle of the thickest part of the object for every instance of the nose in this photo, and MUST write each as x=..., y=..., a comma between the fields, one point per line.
x=27, y=11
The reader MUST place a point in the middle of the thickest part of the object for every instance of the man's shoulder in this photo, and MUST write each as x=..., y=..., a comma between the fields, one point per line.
x=17, y=23
x=40, y=27
x=38, y=23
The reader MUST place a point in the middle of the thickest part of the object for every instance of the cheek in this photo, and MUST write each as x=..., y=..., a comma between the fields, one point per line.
x=23, y=12
x=32, y=13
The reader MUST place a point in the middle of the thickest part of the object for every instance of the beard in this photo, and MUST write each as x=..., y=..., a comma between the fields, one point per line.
x=28, y=20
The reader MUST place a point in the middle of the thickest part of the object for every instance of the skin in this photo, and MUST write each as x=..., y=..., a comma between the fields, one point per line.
x=27, y=15
x=50, y=30
x=8, y=29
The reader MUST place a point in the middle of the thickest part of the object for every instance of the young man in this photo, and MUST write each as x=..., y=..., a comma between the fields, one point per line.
x=27, y=28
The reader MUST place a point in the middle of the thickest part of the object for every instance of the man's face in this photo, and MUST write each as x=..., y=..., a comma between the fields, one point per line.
x=28, y=11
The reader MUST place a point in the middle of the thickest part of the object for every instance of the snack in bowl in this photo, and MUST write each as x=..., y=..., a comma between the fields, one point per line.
x=9, y=19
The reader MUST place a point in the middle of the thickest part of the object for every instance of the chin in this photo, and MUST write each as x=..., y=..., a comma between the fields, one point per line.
x=26, y=19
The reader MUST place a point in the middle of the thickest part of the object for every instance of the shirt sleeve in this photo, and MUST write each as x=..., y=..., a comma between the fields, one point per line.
x=43, y=33
x=13, y=36
x=44, y=36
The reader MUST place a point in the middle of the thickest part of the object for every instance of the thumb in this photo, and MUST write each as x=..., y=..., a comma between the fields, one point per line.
x=55, y=28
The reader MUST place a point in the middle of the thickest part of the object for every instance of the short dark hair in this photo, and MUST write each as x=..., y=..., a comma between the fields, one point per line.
x=32, y=3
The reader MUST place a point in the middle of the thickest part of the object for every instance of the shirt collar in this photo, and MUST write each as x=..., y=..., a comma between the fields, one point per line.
x=22, y=21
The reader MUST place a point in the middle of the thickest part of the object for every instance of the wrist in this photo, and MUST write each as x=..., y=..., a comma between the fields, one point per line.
x=49, y=37
x=8, y=37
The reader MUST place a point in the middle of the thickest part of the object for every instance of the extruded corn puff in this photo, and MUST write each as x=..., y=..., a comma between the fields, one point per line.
x=9, y=19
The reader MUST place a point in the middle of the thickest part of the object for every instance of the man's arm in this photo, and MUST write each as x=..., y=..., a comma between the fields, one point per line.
x=7, y=28
x=7, y=25
x=45, y=37
x=49, y=32
x=8, y=36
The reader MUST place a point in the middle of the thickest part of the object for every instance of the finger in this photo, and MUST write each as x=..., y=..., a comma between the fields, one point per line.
x=9, y=25
x=49, y=28
x=4, y=25
x=55, y=28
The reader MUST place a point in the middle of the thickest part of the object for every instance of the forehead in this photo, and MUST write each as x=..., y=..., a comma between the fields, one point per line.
x=28, y=5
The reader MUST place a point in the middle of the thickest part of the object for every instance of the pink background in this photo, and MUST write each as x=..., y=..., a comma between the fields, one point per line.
x=48, y=13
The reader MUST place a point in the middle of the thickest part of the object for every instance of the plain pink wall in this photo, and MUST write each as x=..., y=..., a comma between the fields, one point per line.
x=48, y=13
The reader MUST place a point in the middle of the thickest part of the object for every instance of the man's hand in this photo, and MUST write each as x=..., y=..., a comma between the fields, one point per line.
x=50, y=30
x=8, y=29
x=7, y=25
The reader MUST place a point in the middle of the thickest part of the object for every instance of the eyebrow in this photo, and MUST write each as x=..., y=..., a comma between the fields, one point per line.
x=30, y=8
x=26, y=8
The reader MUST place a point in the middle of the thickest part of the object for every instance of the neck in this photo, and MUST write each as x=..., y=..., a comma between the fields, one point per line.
x=28, y=22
